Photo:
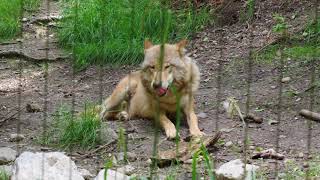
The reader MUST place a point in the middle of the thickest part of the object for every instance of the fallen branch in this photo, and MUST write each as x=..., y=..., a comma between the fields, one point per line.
x=45, y=19
x=253, y=118
x=22, y=55
x=98, y=149
x=268, y=154
x=8, y=118
x=185, y=151
x=310, y=115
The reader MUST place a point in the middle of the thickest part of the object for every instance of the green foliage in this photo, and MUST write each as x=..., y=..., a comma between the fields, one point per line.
x=247, y=13
x=10, y=16
x=114, y=32
x=303, y=46
x=122, y=144
x=68, y=131
x=4, y=175
x=207, y=161
x=294, y=171
x=281, y=26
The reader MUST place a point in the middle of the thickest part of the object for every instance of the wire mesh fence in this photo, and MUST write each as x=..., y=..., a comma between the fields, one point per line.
x=182, y=95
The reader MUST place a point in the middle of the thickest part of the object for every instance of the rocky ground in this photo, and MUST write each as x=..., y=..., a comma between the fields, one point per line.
x=227, y=46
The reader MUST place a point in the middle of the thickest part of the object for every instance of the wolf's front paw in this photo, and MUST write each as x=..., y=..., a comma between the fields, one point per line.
x=123, y=116
x=171, y=132
x=196, y=133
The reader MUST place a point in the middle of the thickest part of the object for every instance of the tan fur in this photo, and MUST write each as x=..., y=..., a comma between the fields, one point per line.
x=141, y=89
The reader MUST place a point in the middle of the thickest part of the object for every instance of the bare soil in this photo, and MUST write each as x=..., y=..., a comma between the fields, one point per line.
x=228, y=45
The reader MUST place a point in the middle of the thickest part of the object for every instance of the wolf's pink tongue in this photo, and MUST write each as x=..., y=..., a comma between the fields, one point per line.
x=161, y=91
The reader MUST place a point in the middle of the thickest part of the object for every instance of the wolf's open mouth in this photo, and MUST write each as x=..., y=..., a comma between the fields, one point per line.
x=161, y=91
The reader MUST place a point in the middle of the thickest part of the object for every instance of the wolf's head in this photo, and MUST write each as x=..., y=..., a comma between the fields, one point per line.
x=165, y=67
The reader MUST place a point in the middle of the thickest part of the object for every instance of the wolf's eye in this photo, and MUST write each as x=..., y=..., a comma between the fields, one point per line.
x=167, y=66
x=152, y=67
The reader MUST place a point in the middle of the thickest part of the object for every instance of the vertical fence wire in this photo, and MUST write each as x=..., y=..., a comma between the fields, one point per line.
x=279, y=56
x=250, y=23
x=311, y=96
x=219, y=86
x=73, y=78
x=45, y=88
x=20, y=71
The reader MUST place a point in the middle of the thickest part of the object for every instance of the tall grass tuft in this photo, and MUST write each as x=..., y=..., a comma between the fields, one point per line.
x=4, y=175
x=68, y=131
x=10, y=16
x=121, y=39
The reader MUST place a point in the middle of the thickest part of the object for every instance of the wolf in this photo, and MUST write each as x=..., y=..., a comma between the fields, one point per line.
x=151, y=92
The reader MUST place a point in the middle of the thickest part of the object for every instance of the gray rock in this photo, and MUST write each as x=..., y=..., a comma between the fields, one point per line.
x=228, y=144
x=33, y=107
x=202, y=115
x=6, y=169
x=112, y=175
x=56, y=166
x=285, y=79
x=128, y=169
x=131, y=157
x=86, y=174
x=108, y=135
x=16, y=137
x=7, y=155
x=234, y=170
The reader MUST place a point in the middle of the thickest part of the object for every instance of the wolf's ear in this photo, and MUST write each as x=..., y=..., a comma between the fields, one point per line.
x=147, y=44
x=181, y=45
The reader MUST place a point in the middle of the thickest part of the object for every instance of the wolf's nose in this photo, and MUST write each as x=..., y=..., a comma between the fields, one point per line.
x=156, y=85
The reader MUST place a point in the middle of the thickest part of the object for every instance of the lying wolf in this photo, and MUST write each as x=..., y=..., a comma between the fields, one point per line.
x=158, y=81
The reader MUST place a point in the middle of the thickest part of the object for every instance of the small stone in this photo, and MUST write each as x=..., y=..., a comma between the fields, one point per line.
x=273, y=87
x=282, y=136
x=111, y=175
x=306, y=165
x=24, y=19
x=149, y=161
x=189, y=161
x=226, y=130
x=286, y=79
x=85, y=174
x=128, y=170
x=131, y=157
x=7, y=155
x=16, y=137
x=251, y=147
x=32, y=108
x=202, y=115
x=228, y=144
x=265, y=32
x=301, y=155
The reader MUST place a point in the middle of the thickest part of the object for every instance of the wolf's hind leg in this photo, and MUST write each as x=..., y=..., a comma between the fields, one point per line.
x=112, y=106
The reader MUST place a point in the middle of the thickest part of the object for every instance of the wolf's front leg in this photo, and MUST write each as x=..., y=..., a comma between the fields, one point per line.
x=168, y=126
x=192, y=120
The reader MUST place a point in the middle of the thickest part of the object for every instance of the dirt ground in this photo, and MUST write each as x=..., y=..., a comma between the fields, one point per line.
x=205, y=49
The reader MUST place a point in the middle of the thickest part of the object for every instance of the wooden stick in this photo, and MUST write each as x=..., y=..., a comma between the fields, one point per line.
x=310, y=115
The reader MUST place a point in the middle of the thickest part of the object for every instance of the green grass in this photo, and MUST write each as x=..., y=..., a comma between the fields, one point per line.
x=82, y=131
x=303, y=46
x=114, y=32
x=9, y=16
x=294, y=171
x=3, y=175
